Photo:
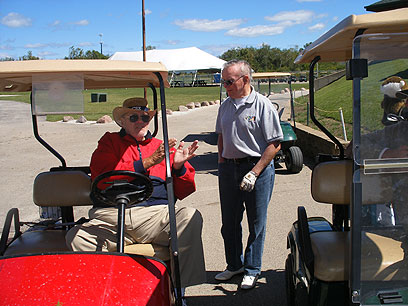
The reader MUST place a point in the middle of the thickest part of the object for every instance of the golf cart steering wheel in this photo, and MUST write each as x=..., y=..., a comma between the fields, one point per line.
x=122, y=190
x=276, y=105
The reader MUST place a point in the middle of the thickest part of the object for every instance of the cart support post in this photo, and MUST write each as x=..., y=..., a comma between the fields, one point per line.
x=170, y=195
x=312, y=115
x=120, y=247
x=42, y=141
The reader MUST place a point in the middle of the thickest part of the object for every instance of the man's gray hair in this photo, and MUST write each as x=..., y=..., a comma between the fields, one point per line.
x=244, y=65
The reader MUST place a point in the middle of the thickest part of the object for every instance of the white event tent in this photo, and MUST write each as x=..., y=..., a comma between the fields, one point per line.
x=176, y=60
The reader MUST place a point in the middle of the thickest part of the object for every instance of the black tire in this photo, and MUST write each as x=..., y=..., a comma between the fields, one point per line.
x=294, y=159
x=289, y=283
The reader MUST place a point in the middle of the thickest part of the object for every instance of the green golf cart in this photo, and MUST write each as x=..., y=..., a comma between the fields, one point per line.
x=290, y=154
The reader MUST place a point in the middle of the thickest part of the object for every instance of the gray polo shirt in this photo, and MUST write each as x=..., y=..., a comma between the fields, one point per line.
x=247, y=128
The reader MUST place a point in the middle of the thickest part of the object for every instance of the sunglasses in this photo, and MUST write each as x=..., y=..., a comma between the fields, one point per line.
x=135, y=118
x=230, y=82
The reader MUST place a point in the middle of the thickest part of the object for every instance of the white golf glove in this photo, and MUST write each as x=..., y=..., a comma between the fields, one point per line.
x=248, y=182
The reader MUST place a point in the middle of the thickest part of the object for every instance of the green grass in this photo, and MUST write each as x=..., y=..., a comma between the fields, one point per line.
x=328, y=100
x=339, y=94
x=115, y=97
x=174, y=98
x=17, y=96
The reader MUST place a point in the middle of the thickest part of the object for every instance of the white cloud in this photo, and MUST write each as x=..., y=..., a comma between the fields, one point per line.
x=82, y=22
x=47, y=53
x=5, y=55
x=206, y=25
x=56, y=23
x=296, y=17
x=147, y=12
x=317, y=26
x=16, y=20
x=46, y=45
x=35, y=46
x=172, y=42
x=217, y=50
x=6, y=47
x=258, y=30
x=85, y=44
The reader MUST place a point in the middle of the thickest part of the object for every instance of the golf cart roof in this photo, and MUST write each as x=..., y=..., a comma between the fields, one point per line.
x=16, y=76
x=336, y=44
x=267, y=75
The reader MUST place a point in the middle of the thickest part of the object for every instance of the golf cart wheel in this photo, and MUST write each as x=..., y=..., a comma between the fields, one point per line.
x=294, y=159
x=290, y=285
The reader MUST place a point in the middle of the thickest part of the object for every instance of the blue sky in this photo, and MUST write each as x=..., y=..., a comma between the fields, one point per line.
x=49, y=28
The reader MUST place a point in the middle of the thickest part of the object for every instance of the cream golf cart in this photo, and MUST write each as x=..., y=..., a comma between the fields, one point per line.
x=356, y=258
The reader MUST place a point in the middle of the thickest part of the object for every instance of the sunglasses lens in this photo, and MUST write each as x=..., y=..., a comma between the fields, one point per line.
x=134, y=118
x=227, y=82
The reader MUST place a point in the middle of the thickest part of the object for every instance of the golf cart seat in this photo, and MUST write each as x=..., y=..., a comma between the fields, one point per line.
x=331, y=184
x=65, y=189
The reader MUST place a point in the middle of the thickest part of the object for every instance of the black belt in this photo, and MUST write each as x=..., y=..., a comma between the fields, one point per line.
x=244, y=160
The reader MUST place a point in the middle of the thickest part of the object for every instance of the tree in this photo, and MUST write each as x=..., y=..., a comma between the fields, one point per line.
x=78, y=53
x=6, y=59
x=29, y=56
x=265, y=58
x=75, y=53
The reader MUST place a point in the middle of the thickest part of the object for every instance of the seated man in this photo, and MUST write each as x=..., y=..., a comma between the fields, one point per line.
x=133, y=148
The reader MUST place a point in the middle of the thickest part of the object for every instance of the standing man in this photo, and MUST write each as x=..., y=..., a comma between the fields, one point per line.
x=249, y=135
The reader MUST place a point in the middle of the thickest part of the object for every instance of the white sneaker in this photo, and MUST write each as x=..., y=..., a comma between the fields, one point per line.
x=249, y=281
x=227, y=274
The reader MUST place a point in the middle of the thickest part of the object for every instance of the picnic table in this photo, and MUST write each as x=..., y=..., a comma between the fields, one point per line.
x=178, y=83
x=199, y=83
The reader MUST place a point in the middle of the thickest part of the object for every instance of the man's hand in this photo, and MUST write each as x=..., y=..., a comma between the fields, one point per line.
x=248, y=182
x=184, y=154
x=158, y=155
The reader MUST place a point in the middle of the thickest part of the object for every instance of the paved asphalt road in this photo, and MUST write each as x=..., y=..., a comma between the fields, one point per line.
x=22, y=158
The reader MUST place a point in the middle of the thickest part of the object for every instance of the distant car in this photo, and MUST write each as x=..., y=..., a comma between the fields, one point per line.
x=302, y=78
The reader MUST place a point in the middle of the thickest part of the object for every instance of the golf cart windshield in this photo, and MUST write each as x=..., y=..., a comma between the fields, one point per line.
x=380, y=147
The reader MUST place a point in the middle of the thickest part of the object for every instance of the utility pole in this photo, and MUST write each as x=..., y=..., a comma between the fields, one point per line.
x=101, y=42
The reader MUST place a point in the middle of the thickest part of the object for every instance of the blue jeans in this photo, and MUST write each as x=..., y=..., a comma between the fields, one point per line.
x=233, y=203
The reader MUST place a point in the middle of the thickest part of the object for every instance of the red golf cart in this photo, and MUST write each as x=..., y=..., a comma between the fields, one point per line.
x=36, y=267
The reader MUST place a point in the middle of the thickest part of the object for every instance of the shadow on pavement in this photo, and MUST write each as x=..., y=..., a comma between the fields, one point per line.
x=207, y=137
x=206, y=163
x=270, y=290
